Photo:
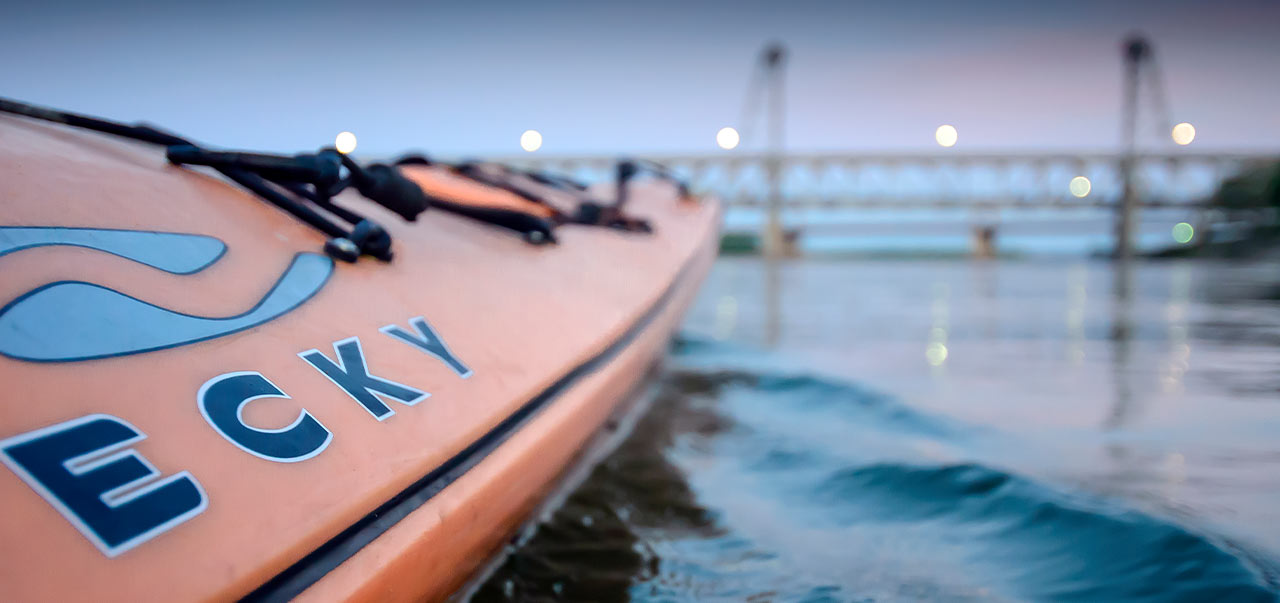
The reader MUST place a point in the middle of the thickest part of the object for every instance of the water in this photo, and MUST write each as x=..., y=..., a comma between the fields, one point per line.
x=942, y=430
x=1061, y=231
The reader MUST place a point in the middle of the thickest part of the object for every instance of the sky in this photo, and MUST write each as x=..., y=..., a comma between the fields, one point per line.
x=661, y=76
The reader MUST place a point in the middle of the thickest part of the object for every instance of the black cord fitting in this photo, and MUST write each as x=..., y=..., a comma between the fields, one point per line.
x=323, y=169
x=342, y=249
x=588, y=212
x=386, y=186
x=414, y=160
x=372, y=240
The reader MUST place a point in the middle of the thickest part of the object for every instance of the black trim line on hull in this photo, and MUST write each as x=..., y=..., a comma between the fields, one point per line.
x=316, y=564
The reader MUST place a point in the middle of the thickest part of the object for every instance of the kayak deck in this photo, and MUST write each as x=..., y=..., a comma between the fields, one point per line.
x=507, y=357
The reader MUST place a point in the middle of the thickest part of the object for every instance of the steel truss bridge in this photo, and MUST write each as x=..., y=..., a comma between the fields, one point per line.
x=940, y=180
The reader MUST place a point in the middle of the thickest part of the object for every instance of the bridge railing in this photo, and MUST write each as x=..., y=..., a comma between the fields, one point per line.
x=1038, y=180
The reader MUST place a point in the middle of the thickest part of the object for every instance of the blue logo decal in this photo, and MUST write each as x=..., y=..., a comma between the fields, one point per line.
x=68, y=321
x=170, y=252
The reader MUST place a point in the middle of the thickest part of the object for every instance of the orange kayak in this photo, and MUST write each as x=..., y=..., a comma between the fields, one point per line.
x=202, y=405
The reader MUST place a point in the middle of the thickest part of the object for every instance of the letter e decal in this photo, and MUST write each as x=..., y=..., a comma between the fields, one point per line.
x=87, y=471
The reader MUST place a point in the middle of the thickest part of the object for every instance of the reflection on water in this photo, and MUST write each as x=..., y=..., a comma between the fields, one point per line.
x=942, y=430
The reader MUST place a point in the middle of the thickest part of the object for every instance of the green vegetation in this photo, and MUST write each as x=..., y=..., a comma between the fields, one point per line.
x=1258, y=187
x=739, y=243
x=1252, y=196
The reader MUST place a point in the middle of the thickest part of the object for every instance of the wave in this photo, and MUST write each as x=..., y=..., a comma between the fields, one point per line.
x=1048, y=544
x=843, y=459
x=752, y=480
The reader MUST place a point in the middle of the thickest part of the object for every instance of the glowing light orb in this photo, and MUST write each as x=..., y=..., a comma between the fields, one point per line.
x=727, y=138
x=1184, y=133
x=1080, y=186
x=1183, y=232
x=946, y=135
x=345, y=142
x=936, y=353
x=531, y=140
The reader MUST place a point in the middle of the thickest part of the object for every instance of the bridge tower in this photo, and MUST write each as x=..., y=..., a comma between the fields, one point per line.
x=767, y=86
x=1139, y=61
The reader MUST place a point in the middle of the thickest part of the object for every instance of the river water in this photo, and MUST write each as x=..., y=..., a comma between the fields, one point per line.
x=882, y=430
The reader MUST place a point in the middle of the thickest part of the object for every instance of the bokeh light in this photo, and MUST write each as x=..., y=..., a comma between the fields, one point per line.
x=936, y=353
x=946, y=135
x=727, y=138
x=345, y=142
x=1184, y=133
x=531, y=140
x=1080, y=186
x=1183, y=232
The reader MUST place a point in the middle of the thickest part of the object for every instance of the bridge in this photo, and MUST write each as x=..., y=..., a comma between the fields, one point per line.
x=793, y=194
x=816, y=194
x=936, y=180
x=794, y=189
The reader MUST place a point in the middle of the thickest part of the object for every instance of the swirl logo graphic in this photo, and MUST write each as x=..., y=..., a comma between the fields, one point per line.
x=69, y=321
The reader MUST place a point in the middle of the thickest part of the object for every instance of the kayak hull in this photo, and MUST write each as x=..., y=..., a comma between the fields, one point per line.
x=277, y=408
x=408, y=562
